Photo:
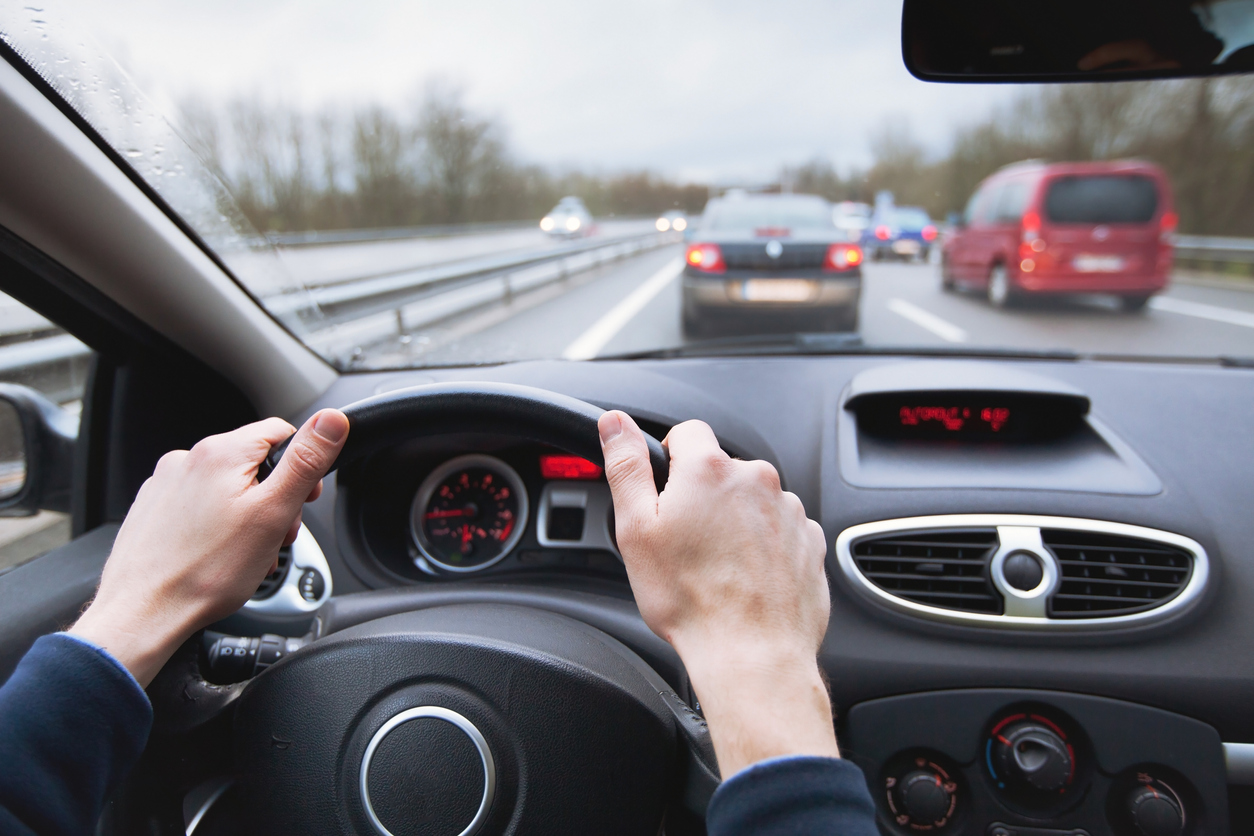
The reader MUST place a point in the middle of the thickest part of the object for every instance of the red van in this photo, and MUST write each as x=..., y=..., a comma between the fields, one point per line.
x=1034, y=227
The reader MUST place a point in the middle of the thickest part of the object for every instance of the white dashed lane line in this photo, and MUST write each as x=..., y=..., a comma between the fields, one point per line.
x=947, y=331
x=1201, y=311
x=590, y=342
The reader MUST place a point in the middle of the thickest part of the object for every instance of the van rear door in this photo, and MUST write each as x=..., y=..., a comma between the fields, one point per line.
x=1102, y=224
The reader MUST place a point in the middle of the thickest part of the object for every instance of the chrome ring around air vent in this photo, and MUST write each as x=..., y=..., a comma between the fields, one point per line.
x=1084, y=563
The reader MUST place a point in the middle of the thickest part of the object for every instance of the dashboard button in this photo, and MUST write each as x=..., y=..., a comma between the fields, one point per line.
x=1034, y=754
x=924, y=797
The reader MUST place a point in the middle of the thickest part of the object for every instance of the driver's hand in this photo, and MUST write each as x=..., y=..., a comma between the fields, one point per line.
x=727, y=568
x=202, y=534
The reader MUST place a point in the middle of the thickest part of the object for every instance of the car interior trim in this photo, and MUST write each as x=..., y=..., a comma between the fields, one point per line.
x=288, y=599
x=64, y=196
x=1239, y=758
x=1014, y=619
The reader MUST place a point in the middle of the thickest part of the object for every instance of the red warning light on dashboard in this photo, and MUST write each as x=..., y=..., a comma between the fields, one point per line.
x=558, y=466
x=954, y=418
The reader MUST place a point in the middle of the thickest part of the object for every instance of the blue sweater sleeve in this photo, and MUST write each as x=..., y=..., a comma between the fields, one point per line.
x=73, y=721
x=796, y=796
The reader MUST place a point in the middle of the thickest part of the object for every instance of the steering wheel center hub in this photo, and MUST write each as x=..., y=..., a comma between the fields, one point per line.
x=427, y=770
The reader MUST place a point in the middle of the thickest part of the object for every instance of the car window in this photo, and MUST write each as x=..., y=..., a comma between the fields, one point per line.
x=1101, y=200
x=34, y=353
x=749, y=214
x=983, y=203
x=1011, y=202
x=911, y=220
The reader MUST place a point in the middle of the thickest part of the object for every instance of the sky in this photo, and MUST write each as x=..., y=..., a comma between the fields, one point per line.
x=700, y=90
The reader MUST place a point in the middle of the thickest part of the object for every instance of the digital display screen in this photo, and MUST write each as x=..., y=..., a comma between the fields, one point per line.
x=968, y=416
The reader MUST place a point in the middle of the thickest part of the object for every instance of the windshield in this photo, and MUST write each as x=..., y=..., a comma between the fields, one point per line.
x=422, y=184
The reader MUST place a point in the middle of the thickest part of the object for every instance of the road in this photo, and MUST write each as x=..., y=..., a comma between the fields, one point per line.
x=634, y=306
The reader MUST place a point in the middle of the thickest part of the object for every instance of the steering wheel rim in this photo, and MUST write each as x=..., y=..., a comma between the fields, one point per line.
x=439, y=408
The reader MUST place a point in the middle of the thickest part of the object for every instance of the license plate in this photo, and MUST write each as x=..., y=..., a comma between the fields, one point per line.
x=906, y=247
x=1098, y=263
x=778, y=290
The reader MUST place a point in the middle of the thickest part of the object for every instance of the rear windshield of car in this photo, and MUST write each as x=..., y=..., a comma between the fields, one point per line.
x=773, y=214
x=1101, y=199
x=911, y=220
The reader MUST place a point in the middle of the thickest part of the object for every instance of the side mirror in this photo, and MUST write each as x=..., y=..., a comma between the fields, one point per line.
x=36, y=452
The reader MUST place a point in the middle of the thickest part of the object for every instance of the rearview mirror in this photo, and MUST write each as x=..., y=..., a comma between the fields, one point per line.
x=1094, y=40
x=36, y=452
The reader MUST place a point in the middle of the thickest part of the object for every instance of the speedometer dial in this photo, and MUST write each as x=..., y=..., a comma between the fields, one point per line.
x=469, y=513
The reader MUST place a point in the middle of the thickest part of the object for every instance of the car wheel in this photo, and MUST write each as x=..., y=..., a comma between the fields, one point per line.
x=1132, y=304
x=843, y=321
x=947, y=276
x=1000, y=292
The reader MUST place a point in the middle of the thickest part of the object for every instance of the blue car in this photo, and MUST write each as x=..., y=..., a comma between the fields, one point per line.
x=900, y=232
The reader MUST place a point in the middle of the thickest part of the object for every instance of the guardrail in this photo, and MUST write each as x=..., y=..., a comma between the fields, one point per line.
x=359, y=236
x=1205, y=252
x=367, y=310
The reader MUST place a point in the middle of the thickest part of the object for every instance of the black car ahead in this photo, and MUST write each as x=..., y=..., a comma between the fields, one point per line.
x=771, y=263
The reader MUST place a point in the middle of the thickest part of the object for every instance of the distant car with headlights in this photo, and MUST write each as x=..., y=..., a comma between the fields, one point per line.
x=569, y=219
x=673, y=220
x=901, y=232
x=767, y=263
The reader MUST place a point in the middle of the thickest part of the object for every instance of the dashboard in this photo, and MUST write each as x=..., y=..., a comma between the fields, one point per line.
x=1041, y=570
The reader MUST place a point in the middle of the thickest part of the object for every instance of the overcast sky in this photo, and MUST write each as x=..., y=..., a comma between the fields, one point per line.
x=703, y=90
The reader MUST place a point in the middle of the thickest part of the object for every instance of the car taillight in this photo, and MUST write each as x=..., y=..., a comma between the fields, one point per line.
x=707, y=257
x=843, y=257
x=883, y=233
x=1031, y=227
x=929, y=233
x=1168, y=227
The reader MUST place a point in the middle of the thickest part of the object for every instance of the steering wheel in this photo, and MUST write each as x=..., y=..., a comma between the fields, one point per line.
x=471, y=718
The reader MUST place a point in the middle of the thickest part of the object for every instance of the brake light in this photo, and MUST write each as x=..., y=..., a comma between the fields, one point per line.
x=842, y=257
x=707, y=257
x=883, y=233
x=1168, y=226
x=1031, y=226
x=929, y=233
x=772, y=232
x=560, y=466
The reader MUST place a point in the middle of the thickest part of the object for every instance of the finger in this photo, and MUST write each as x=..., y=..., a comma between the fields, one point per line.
x=306, y=460
x=248, y=445
x=315, y=493
x=293, y=531
x=627, y=468
x=692, y=444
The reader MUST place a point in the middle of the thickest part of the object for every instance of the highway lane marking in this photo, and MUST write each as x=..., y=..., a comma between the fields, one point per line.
x=1197, y=309
x=947, y=331
x=590, y=342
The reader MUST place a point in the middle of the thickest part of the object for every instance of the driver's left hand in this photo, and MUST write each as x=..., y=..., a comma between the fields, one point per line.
x=202, y=534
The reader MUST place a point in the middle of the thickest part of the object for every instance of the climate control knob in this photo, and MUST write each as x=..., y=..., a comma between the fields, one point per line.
x=1155, y=812
x=923, y=798
x=1033, y=754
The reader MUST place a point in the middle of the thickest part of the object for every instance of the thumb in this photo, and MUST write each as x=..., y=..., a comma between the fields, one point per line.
x=627, y=469
x=307, y=458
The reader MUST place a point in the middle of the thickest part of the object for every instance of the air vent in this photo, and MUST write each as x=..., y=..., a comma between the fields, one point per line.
x=946, y=569
x=274, y=580
x=1091, y=574
x=1104, y=574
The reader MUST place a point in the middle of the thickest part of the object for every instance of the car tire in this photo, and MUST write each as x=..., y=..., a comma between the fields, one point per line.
x=841, y=322
x=1001, y=292
x=947, y=276
x=1134, y=304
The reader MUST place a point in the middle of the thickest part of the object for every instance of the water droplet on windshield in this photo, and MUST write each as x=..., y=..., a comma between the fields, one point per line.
x=133, y=153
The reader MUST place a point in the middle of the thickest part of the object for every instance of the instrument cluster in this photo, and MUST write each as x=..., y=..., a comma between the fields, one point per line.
x=429, y=513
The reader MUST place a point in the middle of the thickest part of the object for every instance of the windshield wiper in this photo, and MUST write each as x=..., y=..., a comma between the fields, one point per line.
x=822, y=343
